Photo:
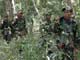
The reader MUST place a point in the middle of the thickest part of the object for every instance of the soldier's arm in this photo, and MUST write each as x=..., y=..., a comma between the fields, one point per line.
x=14, y=22
x=2, y=24
x=24, y=22
x=75, y=30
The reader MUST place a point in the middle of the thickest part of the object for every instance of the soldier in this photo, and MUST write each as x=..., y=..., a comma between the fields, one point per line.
x=19, y=24
x=6, y=29
x=67, y=27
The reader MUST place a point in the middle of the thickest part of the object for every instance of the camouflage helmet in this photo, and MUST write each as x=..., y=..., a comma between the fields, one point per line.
x=68, y=8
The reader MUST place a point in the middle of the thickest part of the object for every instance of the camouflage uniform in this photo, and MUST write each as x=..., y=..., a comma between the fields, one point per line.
x=6, y=29
x=65, y=29
x=19, y=25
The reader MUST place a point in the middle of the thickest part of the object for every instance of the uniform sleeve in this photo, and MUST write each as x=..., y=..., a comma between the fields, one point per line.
x=2, y=24
x=14, y=22
x=57, y=26
x=75, y=30
x=24, y=22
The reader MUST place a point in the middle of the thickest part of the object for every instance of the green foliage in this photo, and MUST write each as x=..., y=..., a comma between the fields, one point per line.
x=32, y=14
x=2, y=8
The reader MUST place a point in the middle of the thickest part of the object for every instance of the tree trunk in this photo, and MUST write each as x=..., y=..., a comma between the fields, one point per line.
x=9, y=9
